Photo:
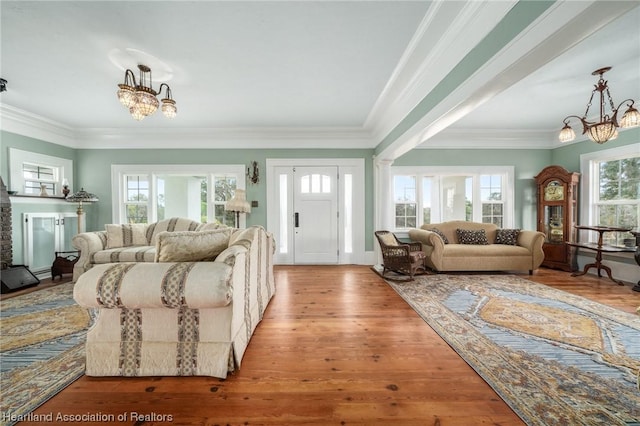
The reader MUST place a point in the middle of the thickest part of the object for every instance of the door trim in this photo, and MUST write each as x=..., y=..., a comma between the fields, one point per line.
x=353, y=166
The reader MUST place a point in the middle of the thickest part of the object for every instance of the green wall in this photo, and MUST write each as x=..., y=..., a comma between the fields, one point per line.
x=527, y=163
x=569, y=156
x=94, y=173
x=92, y=170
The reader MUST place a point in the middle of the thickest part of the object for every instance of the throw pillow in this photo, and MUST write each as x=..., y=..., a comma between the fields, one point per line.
x=468, y=236
x=191, y=246
x=127, y=235
x=507, y=236
x=388, y=239
x=439, y=232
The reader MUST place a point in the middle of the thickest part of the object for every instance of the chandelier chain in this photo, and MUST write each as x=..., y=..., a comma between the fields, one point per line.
x=586, y=112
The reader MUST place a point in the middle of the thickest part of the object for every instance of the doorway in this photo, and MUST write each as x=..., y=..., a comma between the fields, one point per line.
x=310, y=210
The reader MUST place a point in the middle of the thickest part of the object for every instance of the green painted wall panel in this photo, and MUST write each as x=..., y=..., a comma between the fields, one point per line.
x=94, y=173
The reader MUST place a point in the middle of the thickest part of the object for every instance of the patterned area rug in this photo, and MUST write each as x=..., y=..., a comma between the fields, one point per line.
x=555, y=358
x=42, y=337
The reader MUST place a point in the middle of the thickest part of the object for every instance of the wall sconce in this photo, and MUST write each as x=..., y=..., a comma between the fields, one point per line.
x=253, y=173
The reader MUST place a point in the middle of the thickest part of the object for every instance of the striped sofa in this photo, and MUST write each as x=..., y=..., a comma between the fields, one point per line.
x=178, y=318
x=127, y=243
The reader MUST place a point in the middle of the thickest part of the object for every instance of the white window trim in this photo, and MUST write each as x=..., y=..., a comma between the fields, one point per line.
x=119, y=171
x=18, y=157
x=420, y=171
x=588, y=189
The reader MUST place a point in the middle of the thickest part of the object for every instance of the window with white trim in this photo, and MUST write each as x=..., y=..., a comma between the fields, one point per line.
x=38, y=177
x=483, y=194
x=612, y=193
x=149, y=193
x=30, y=171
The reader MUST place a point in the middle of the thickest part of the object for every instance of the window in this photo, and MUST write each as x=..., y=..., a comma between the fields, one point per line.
x=29, y=171
x=613, y=190
x=404, y=189
x=225, y=187
x=136, y=199
x=149, y=193
x=483, y=194
x=491, y=199
x=37, y=177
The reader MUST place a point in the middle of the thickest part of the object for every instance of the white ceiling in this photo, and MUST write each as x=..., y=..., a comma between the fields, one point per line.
x=288, y=74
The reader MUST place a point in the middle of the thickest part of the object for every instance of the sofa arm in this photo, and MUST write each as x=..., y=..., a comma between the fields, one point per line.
x=532, y=241
x=427, y=238
x=193, y=285
x=87, y=243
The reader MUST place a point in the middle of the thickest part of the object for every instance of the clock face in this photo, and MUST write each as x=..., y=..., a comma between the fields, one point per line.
x=554, y=191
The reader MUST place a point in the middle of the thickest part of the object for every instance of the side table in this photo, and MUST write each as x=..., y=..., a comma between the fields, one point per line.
x=599, y=248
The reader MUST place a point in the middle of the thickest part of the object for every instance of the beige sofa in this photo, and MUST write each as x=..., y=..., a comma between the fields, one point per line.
x=127, y=243
x=526, y=254
x=179, y=318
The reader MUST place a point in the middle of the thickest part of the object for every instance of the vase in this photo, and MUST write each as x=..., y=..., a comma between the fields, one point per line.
x=43, y=190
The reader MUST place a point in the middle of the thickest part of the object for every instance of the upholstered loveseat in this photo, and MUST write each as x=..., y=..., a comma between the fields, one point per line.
x=127, y=243
x=448, y=249
x=179, y=317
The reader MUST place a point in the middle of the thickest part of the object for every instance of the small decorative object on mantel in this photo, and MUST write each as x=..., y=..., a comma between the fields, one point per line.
x=65, y=187
x=253, y=173
x=43, y=190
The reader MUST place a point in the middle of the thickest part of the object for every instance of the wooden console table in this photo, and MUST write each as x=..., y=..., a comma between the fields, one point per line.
x=600, y=248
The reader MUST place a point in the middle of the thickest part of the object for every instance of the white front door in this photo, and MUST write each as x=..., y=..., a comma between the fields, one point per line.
x=315, y=207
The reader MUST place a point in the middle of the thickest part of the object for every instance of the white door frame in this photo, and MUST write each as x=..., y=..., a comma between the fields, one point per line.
x=355, y=167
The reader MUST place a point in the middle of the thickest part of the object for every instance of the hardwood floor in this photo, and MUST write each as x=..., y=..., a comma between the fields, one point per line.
x=337, y=346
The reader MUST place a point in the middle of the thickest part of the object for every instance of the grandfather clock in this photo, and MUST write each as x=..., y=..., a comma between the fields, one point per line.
x=557, y=191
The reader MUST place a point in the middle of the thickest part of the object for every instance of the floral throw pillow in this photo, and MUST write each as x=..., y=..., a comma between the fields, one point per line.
x=439, y=232
x=507, y=236
x=468, y=236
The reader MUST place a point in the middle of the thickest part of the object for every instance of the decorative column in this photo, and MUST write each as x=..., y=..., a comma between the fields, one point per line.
x=384, y=202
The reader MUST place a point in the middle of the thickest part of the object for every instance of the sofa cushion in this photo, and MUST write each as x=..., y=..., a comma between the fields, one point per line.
x=208, y=226
x=440, y=233
x=173, y=224
x=126, y=235
x=507, y=236
x=191, y=246
x=469, y=236
x=124, y=254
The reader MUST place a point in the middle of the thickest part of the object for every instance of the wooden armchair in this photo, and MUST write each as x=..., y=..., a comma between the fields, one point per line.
x=402, y=258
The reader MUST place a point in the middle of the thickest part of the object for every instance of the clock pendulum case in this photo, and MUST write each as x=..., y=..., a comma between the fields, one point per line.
x=557, y=191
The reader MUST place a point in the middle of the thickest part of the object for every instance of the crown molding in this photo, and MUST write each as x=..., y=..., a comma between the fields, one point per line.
x=227, y=138
x=492, y=139
x=25, y=123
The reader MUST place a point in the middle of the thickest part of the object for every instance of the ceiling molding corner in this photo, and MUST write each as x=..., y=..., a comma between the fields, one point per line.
x=25, y=123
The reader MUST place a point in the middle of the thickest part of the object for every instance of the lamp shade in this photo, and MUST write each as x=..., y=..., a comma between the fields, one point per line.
x=82, y=196
x=238, y=203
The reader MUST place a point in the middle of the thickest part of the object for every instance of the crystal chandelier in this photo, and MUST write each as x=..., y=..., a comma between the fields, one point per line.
x=606, y=128
x=140, y=99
